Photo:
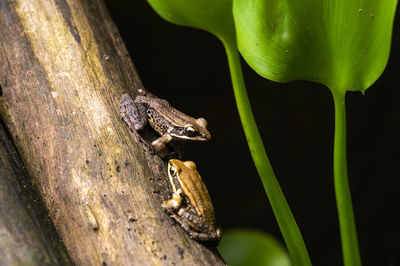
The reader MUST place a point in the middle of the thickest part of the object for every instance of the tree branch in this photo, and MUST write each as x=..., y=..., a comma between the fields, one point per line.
x=27, y=234
x=63, y=70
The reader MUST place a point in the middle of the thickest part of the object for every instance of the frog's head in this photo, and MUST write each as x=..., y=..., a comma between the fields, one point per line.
x=195, y=130
x=174, y=171
x=176, y=167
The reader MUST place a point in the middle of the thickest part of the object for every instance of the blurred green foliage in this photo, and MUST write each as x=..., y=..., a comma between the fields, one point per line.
x=245, y=247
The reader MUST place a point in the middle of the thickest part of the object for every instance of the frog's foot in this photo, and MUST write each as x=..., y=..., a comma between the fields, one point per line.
x=174, y=203
x=160, y=147
x=178, y=218
x=214, y=236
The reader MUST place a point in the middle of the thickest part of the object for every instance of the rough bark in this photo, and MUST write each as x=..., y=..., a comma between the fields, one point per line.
x=27, y=236
x=63, y=69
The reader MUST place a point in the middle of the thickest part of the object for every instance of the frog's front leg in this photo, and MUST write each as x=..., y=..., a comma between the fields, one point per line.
x=174, y=203
x=184, y=217
x=159, y=145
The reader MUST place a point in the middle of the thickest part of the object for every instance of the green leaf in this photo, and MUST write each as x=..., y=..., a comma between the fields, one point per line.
x=243, y=247
x=343, y=44
x=214, y=16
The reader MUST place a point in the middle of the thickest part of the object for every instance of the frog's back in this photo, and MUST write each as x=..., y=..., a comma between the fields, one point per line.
x=170, y=112
x=199, y=196
x=206, y=207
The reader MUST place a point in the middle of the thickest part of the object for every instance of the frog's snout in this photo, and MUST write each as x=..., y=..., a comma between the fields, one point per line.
x=206, y=136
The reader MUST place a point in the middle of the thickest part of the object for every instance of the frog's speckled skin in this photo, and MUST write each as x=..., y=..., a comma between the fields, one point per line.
x=168, y=122
x=190, y=204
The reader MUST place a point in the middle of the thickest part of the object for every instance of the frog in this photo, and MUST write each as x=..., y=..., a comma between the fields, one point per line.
x=190, y=204
x=169, y=123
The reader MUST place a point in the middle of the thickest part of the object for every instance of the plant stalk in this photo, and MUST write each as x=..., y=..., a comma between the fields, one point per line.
x=348, y=233
x=287, y=224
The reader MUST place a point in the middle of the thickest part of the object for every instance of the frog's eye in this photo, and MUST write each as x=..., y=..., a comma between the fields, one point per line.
x=172, y=170
x=190, y=131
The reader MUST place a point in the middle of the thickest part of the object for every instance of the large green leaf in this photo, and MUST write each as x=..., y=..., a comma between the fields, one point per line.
x=242, y=247
x=343, y=44
x=214, y=16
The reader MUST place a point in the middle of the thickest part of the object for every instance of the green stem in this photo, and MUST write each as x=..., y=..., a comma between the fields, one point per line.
x=348, y=233
x=287, y=224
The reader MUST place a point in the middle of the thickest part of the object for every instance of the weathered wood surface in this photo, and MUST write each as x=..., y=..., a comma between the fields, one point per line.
x=63, y=68
x=27, y=236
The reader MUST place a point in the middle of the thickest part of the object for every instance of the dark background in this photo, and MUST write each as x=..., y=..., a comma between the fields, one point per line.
x=188, y=67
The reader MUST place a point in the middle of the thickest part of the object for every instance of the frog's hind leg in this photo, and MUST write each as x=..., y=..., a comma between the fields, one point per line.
x=186, y=218
x=184, y=224
x=194, y=234
x=214, y=236
x=134, y=114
